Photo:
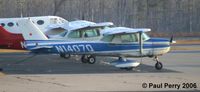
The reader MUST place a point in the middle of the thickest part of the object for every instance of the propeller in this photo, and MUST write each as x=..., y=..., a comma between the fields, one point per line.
x=171, y=39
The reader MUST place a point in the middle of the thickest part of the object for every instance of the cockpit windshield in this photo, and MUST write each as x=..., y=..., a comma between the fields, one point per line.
x=145, y=37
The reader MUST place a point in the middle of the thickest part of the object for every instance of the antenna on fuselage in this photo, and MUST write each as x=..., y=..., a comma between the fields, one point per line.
x=21, y=4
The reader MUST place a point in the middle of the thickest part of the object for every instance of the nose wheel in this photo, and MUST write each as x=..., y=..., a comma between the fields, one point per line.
x=158, y=64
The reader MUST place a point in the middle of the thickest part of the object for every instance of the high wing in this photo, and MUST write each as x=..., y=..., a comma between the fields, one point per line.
x=124, y=30
x=82, y=24
x=41, y=47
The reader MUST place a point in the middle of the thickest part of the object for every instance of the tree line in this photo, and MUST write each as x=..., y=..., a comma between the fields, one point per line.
x=163, y=16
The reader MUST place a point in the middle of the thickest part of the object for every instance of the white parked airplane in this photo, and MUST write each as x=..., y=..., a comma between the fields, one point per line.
x=11, y=25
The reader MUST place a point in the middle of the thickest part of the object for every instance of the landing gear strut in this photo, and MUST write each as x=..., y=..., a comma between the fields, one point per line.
x=158, y=64
x=91, y=59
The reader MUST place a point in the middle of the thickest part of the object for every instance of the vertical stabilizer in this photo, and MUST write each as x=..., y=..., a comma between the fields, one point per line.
x=30, y=31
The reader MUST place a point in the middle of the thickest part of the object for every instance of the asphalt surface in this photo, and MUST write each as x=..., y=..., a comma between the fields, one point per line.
x=23, y=72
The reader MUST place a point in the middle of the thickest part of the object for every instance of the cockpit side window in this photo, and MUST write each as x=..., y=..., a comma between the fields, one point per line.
x=126, y=38
x=117, y=39
x=107, y=38
x=121, y=38
x=135, y=37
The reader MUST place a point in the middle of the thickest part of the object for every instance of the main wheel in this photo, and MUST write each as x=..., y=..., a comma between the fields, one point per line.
x=84, y=59
x=158, y=66
x=66, y=56
x=91, y=59
x=1, y=69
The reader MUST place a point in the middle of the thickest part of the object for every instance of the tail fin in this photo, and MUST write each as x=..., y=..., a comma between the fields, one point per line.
x=30, y=31
x=10, y=40
x=4, y=33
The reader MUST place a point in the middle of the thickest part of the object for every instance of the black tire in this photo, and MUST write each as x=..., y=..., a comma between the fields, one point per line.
x=120, y=58
x=91, y=59
x=158, y=66
x=66, y=56
x=1, y=69
x=84, y=59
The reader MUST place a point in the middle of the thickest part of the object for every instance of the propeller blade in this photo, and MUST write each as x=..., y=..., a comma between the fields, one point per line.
x=171, y=39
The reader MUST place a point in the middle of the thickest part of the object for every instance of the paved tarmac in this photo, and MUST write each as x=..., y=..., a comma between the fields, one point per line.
x=42, y=73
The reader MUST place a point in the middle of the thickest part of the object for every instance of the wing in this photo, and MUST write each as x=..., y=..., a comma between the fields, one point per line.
x=92, y=25
x=124, y=30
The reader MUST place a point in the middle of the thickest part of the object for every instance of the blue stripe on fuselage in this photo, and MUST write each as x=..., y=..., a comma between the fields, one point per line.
x=158, y=40
x=92, y=46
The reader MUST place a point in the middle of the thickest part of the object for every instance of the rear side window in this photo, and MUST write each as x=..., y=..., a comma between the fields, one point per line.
x=107, y=38
x=10, y=24
x=2, y=24
x=40, y=22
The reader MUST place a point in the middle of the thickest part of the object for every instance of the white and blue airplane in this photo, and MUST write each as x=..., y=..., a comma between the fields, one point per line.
x=119, y=42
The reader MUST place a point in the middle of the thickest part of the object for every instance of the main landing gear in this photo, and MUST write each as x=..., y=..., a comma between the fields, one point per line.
x=91, y=59
x=158, y=64
x=1, y=69
x=66, y=56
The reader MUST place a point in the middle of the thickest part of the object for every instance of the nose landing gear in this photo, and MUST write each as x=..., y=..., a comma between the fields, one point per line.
x=158, y=64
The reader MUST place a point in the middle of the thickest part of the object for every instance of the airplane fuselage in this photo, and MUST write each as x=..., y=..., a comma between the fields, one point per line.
x=151, y=47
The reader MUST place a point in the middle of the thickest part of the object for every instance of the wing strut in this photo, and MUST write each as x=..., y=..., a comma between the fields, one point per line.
x=141, y=43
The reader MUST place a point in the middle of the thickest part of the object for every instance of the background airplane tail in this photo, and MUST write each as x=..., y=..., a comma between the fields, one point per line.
x=3, y=33
x=10, y=40
x=30, y=31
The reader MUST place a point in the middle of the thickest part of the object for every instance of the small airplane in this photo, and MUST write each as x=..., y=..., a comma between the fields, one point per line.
x=43, y=22
x=118, y=42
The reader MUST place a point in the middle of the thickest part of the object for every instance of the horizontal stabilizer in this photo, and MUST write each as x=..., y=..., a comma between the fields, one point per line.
x=41, y=47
